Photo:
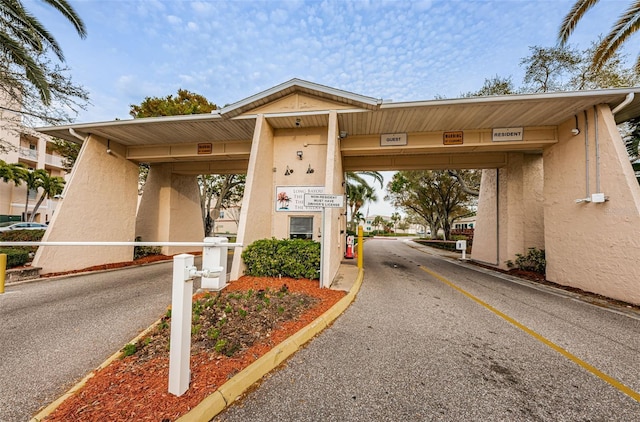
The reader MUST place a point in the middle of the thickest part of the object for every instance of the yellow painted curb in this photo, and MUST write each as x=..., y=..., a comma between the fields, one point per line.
x=241, y=382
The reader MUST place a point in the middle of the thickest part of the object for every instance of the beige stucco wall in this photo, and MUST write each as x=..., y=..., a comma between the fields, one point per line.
x=169, y=210
x=257, y=206
x=274, y=151
x=99, y=204
x=592, y=246
x=515, y=222
x=335, y=223
x=286, y=143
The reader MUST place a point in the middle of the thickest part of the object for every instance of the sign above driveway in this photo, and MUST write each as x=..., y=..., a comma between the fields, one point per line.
x=507, y=134
x=393, y=139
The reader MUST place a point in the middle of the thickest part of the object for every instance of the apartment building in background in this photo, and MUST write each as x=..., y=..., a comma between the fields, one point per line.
x=34, y=150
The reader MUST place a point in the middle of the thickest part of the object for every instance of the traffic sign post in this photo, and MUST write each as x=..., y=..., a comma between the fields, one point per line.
x=324, y=201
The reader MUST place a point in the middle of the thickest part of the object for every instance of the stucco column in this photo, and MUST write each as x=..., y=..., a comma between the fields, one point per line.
x=589, y=245
x=257, y=203
x=334, y=176
x=99, y=204
x=510, y=210
x=170, y=209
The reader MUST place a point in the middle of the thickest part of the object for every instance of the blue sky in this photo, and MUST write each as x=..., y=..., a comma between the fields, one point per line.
x=229, y=50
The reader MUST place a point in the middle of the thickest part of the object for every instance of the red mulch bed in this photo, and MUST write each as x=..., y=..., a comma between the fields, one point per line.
x=129, y=390
x=140, y=261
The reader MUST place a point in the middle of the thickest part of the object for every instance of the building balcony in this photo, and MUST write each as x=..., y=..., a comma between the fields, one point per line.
x=29, y=154
x=53, y=160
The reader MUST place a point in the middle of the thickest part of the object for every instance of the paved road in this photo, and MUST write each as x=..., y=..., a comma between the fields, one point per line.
x=55, y=332
x=414, y=348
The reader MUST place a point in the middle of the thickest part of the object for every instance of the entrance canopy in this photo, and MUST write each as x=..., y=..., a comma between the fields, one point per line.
x=193, y=142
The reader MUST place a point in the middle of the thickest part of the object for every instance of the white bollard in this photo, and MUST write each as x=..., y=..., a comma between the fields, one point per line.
x=461, y=245
x=180, y=343
x=214, y=258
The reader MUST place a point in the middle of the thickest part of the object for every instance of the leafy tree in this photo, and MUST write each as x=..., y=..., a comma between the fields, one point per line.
x=611, y=74
x=434, y=195
x=626, y=25
x=403, y=225
x=494, y=86
x=68, y=150
x=227, y=190
x=547, y=68
x=50, y=185
x=185, y=102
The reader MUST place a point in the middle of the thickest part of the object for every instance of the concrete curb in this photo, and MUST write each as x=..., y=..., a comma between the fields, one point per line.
x=241, y=382
x=238, y=384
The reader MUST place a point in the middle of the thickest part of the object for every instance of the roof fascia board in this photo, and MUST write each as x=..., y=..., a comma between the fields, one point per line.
x=621, y=92
x=140, y=121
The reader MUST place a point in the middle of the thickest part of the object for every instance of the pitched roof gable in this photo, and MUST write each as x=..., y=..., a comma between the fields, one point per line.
x=308, y=89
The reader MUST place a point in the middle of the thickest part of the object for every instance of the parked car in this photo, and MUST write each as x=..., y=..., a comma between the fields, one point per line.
x=21, y=226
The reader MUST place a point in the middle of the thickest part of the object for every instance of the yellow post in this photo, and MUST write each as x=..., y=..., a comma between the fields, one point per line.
x=360, y=248
x=3, y=270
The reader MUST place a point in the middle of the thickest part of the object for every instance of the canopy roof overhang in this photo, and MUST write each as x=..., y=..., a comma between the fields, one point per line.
x=359, y=115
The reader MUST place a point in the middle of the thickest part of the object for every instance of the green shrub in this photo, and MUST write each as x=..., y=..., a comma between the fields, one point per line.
x=21, y=236
x=142, y=251
x=294, y=258
x=16, y=257
x=534, y=261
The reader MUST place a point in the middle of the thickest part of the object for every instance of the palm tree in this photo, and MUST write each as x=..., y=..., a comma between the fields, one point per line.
x=51, y=186
x=357, y=196
x=360, y=192
x=378, y=221
x=356, y=177
x=11, y=173
x=628, y=23
x=23, y=38
x=32, y=179
x=395, y=218
x=357, y=218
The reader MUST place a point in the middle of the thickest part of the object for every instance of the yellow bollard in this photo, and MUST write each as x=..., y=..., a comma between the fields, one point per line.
x=360, y=243
x=3, y=270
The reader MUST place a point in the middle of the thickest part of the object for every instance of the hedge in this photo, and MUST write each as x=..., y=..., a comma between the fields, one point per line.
x=18, y=256
x=295, y=258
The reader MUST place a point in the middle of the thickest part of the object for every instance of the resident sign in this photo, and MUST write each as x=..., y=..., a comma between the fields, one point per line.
x=507, y=134
x=323, y=200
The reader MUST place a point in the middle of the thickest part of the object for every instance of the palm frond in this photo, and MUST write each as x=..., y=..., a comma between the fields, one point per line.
x=627, y=24
x=571, y=19
x=21, y=57
x=68, y=12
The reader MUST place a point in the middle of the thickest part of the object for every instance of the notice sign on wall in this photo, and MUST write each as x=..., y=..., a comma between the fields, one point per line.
x=452, y=138
x=205, y=149
x=507, y=134
x=291, y=198
x=393, y=139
